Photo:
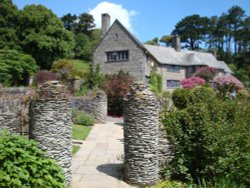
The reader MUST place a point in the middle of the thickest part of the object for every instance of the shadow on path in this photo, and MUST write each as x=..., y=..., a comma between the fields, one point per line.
x=114, y=170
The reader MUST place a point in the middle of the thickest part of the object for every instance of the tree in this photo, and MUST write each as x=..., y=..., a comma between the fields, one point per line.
x=85, y=23
x=116, y=86
x=154, y=41
x=69, y=22
x=192, y=30
x=16, y=68
x=43, y=36
x=8, y=24
x=83, y=47
x=166, y=39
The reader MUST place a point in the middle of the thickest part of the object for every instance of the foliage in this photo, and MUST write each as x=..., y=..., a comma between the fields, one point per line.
x=192, y=30
x=192, y=82
x=169, y=184
x=166, y=39
x=81, y=118
x=43, y=76
x=66, y=70
x=206, y=73
x=200, y=134
x=16, y=68
x=80, y=132
x=93, y=77
x=154, y=41
x=23, y=164
x=180, y=97
x=227, y=84
x=43, y=36
x=201, y=94
x=116, y=86
x=241, y=73
x=155, y=82
x=8, y=23
x=83, y=48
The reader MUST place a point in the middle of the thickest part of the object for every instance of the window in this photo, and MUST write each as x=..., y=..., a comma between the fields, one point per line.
x=173, y=68
x=118, y=56
x=173, y=83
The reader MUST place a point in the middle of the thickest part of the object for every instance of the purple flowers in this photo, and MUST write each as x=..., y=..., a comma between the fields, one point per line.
x=227, y=83
x=192, y=82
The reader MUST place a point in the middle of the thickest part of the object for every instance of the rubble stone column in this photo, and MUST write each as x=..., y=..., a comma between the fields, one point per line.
x=141, y=125
x=50, y=124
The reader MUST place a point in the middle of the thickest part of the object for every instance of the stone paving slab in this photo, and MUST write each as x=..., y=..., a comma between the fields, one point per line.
x=99, y=162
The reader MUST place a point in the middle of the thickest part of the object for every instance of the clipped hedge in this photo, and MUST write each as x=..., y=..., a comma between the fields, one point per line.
x=23, y=164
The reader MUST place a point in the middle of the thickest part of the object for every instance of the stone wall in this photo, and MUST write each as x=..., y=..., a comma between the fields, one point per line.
x=141, y=124
x=50, y=124
x=14, y=111
x=95, y=105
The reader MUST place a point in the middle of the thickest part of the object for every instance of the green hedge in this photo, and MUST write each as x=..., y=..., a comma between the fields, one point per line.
x=23, y=164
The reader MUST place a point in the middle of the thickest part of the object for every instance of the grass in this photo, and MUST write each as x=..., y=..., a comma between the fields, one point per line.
x=75, y=149
x=80, y=65
x=80, y=132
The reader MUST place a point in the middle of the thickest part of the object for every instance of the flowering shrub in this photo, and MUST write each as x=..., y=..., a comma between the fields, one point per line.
x=207, y=73
x=192, y=82
x=227, y=83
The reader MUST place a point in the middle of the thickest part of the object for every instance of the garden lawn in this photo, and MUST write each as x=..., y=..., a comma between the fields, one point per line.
x=75, y=149
x=80, y=132
x=80, y=65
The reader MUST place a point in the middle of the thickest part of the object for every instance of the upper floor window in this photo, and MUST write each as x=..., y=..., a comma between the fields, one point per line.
x=173, y=68
x=173, y=83
x=118, y=56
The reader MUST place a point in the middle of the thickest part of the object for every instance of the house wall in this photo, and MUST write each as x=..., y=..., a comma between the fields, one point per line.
x=118, y=40
x=166, y=75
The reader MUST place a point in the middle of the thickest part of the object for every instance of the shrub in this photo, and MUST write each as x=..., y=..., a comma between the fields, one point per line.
x=66, y=71
x=155, y=83
x=227, y=84
x=180, y=98
x=192, y=82
x=206, y=73
x=169, y=184
x=116, y=86
x=16, y=68
x=211, y=139
x=81, y=118
x=43, y=76
x=23, y=164
x=201, y=94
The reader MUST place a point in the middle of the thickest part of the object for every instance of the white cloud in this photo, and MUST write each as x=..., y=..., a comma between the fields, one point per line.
x=115, y=11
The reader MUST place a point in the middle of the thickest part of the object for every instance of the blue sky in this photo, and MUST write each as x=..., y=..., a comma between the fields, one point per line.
x=146, y=19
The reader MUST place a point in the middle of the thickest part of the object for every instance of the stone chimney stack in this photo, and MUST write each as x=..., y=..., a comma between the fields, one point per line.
x=176, y=42
x=105, y=23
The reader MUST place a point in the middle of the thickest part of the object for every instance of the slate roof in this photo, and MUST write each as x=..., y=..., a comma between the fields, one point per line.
x=168, y=55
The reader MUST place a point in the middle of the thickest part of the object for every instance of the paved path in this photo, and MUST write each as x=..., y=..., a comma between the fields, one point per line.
x=99, y=162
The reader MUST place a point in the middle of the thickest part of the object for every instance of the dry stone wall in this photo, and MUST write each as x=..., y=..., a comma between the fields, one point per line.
x=141, y=124
x=50, y=124
x=95, y=105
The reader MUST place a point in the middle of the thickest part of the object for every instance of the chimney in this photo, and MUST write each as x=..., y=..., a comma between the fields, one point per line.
x=176, y=42
x=105, y=23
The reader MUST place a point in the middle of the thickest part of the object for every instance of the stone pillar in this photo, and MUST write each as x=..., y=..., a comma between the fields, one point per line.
x=141, y=124
x=50, y=124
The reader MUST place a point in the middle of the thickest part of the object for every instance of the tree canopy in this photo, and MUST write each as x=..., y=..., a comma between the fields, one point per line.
x=16, y=68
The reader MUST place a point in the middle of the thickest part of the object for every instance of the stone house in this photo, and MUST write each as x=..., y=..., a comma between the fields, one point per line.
x=120, y=50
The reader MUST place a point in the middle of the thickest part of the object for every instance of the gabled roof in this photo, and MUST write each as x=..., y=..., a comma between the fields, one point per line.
x=117, y=22
x=168, y=55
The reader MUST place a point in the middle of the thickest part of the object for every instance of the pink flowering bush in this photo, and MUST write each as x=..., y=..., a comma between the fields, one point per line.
x=227, y=83
x=207, y=73
x=192, y=82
